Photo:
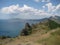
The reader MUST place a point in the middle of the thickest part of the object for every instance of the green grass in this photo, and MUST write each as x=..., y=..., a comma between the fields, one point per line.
x=57, y=33
x=53, y=24
x=54, y=39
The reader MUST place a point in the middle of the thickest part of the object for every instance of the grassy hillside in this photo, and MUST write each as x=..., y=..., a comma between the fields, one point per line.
x=49, y=28
x=53, y=39
x=53, y=24
x=46, y=26
x=43, y=33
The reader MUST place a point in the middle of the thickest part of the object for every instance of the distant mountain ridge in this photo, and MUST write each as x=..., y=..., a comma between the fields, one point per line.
x=55, y=18
x=21, y=20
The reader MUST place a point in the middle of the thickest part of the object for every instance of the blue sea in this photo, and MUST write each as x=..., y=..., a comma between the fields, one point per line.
x=13, y=28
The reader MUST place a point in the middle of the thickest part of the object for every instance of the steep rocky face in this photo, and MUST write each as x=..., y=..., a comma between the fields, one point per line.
x=27, y=30
x=27, y=26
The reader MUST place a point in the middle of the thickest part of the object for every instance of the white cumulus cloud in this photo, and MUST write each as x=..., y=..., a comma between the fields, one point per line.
x=52, y=8
x=9, y=9
x=37, y=0
x=27, y=12
x=57, y=8
x=23, y=12
x=45, y=0
x=42, y=0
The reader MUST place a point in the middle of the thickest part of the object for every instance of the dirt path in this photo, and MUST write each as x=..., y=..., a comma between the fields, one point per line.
x=30, y=40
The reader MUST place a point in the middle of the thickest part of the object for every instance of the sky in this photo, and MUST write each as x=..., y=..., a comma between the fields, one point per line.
x=29, y=9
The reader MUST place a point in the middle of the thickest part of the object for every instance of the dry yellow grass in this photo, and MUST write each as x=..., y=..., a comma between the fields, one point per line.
x=31, y=39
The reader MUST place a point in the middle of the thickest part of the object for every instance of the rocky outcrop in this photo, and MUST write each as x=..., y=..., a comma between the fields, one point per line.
x=27, y=30
x=47, y=24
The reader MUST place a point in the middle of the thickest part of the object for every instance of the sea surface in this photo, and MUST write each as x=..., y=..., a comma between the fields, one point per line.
x=13, y=28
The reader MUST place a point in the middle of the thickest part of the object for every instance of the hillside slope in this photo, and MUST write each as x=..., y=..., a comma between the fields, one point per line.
x=43, y=33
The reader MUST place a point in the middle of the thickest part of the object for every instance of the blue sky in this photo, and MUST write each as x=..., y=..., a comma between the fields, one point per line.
x=29, y=9
x=4, y=3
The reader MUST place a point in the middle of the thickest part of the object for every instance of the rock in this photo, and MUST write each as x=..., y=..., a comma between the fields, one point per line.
x=27, y=30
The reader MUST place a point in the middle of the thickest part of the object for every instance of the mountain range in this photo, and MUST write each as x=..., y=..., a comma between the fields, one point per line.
x=55, y=18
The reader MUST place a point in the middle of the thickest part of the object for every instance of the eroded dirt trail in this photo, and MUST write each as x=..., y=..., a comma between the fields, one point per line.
x=31, y=39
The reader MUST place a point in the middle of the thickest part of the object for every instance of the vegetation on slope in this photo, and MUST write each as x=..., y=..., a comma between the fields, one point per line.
x=53, y=24
x=54, y=38
x=45, y=25
x=35, y=31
